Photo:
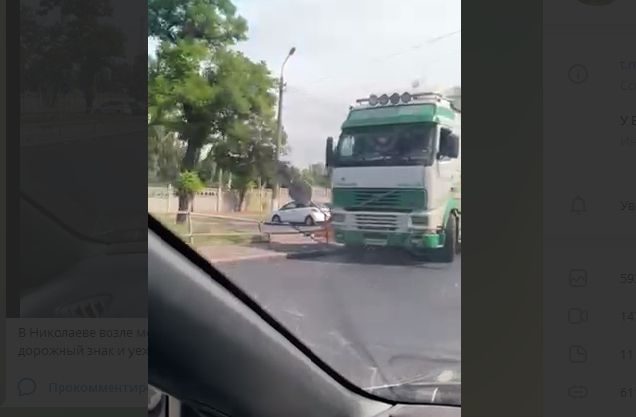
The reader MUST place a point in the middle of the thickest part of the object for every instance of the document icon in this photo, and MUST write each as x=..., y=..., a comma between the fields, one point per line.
x=578, y=354
x=578, y=278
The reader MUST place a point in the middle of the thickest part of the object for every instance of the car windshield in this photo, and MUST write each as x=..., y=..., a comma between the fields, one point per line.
x=359, y=259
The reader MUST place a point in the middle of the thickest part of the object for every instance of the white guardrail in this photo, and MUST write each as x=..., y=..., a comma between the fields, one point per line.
x=240, y=226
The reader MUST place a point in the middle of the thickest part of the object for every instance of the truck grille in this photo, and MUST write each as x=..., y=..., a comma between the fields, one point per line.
x=376, y=222
x=380, y=199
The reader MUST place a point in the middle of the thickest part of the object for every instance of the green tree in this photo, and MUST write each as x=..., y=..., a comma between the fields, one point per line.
x=85, y=39
x=187, y=185
x=42, y=56
x=317, y=175
x=164, y=155
x=30, y=38
x=248, y=152
x=201, y=88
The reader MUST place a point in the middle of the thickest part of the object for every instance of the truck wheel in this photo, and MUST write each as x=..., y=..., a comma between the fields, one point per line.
x=448, y=252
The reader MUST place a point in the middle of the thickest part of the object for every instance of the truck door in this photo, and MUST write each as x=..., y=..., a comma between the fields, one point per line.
x=448, y=170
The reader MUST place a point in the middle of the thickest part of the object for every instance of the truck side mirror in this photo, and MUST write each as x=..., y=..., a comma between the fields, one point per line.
x=450, y=146
x=329, y=152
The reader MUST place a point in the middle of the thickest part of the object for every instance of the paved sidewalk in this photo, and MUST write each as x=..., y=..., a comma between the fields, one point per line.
x=292, y=247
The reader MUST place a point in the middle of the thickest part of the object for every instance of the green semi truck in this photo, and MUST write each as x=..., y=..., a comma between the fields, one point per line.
x=396, y=173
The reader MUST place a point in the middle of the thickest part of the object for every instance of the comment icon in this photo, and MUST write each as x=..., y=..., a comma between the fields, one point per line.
x=26, y=386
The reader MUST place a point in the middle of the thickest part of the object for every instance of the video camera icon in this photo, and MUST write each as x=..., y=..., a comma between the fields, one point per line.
x=577, y=316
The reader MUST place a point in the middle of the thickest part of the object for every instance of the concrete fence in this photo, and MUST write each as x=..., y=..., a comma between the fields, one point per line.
x=34, y=101
x=162, y=199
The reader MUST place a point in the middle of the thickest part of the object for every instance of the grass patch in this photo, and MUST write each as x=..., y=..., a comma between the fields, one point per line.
x=247, y=215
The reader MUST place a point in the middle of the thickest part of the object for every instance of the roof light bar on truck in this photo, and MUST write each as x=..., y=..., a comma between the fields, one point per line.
x=395, y=98
x=405, y=98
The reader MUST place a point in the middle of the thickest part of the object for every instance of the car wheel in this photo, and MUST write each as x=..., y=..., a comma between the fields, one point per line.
x=276, y=219
x=309, y=221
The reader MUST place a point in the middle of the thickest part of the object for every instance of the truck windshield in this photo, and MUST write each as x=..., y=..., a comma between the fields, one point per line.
x=408, y=144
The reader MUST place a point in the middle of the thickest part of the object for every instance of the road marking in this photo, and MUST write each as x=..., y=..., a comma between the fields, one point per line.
x=446, y=376
x=294, y=313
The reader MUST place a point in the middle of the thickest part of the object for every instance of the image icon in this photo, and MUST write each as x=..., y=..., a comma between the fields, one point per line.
x=26, y=386
x=578, y=278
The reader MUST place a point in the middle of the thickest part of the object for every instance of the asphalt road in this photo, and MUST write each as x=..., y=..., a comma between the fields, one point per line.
x=378, y=319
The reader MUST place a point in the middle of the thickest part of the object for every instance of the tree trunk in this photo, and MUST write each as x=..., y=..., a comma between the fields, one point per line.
x=195, y=139
x=185, y=204
x=90, y=92
x=241, y=200
x=188, y=164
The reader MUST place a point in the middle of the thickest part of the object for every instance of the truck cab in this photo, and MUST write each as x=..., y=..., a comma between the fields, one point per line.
x=396, y=172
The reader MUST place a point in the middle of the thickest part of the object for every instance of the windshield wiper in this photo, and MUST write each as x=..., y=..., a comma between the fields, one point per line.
x=376, y=158
x=446, y=393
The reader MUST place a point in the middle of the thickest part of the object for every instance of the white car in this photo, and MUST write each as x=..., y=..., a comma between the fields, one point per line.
x=114, y=107
x=298, y=213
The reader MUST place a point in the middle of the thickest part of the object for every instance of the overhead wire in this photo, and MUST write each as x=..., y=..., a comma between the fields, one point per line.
x=395, y=54
x=332, y=106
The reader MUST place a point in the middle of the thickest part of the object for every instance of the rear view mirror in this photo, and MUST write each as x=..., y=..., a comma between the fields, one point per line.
x=329, y=152
x=450, y=146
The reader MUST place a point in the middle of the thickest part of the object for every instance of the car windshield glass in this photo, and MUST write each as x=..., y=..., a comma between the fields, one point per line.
x=365, y=269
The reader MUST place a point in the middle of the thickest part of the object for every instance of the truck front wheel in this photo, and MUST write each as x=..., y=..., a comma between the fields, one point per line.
x=447, y=253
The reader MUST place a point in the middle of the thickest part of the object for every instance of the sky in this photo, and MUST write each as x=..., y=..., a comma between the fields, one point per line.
x=349, y=49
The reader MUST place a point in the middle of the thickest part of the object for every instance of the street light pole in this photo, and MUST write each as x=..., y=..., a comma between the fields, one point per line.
x=279, y=129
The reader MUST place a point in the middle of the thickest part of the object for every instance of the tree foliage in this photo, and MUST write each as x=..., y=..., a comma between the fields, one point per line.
x=78, y=38
x=207, y=92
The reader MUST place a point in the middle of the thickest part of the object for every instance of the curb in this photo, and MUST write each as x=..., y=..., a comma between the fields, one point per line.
x=312, y=254
x=247, y=258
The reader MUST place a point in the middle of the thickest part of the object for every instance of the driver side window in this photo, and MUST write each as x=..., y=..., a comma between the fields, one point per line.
x=346, y=146
x=443, y=140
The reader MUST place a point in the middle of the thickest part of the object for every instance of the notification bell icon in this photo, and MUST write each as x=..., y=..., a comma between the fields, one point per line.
x=578, y=206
